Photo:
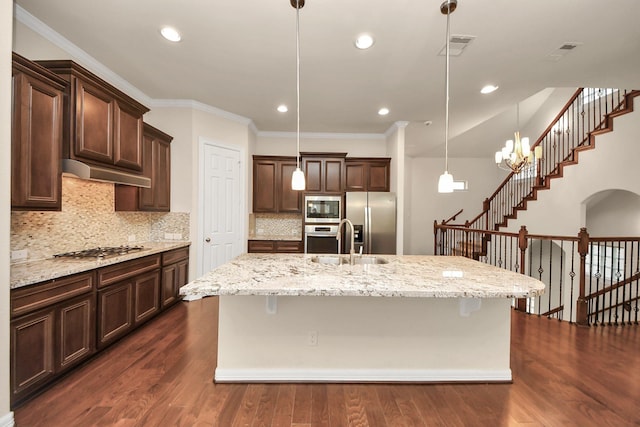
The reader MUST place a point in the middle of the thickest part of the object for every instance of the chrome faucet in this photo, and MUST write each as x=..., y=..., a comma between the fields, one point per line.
x=352, y=250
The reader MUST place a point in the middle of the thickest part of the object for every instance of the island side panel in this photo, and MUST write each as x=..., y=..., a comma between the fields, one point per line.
x=362, y=339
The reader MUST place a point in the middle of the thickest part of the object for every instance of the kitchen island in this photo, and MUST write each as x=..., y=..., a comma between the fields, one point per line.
x=295, y=317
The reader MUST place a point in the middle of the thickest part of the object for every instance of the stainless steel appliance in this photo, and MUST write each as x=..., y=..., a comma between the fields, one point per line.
x=373, y=215
x=100, y=252
x=322, y=209
x=321, y=239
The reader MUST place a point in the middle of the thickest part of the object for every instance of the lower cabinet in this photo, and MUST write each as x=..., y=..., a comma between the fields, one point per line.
x=50, y=341
x=275, y=246
x=56, y=325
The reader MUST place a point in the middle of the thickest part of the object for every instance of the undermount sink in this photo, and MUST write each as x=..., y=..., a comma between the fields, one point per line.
x=337, y=260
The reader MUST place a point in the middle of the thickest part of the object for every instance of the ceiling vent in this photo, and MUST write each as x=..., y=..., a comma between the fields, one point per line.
x=457, y=43
x=562, y=51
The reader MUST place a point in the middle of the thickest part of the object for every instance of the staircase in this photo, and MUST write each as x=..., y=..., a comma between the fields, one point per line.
x=589, y=112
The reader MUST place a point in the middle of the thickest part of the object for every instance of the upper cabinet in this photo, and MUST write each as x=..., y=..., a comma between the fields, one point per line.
x=103, y=126
x=36, y=137
x=272, y=191
x=156, y=165
x=324, y=172
x=367, y=174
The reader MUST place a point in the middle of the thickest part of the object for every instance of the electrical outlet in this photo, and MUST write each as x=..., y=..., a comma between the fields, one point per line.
x=132, y=238
x=168, y=236
x=177, y=236
x=312, y=338
x=19, y=255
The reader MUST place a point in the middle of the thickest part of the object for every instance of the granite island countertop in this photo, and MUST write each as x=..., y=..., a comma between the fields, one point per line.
x=402, y=276
x=28, y=273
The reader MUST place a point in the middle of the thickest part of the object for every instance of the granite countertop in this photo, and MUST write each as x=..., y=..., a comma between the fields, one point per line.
x=293, y=237
x=402, y=276
x=28, y=273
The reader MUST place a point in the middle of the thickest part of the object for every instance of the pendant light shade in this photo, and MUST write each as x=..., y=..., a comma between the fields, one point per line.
x=445, y=183
x=297, y=179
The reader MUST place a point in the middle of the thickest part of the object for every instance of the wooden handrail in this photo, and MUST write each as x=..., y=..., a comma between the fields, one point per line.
x=453, y=218
x=617, y=285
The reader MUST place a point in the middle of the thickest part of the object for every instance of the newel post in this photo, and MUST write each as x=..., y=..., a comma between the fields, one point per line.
x=523, y=243
x=485, y=208
x=435, y=238
x=582, y=305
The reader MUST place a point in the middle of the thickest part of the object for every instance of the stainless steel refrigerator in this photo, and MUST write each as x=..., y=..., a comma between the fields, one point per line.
x=373, y=215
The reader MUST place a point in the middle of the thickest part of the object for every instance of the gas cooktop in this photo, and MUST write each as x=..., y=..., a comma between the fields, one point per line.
x=100, y=252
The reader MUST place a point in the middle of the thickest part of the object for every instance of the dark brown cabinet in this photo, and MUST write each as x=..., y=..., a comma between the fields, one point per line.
x=156, y=165
x=324, y=172
x=128, y=294
x=175, y=274
x=367, y=174
x=36, y=137
x=102, y=125
x=275, y=246
x=272, y=191
x=52, y=329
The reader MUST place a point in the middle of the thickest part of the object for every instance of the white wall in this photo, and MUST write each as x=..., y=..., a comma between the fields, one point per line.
x=612, y=165
x=284, y=144
x=617, y=213
x=426, y=204
x=6, y=14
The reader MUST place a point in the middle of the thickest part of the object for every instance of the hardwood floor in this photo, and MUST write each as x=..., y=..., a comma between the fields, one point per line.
x=161, y=376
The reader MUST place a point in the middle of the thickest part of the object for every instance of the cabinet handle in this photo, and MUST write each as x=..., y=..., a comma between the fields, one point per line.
x=207, y=240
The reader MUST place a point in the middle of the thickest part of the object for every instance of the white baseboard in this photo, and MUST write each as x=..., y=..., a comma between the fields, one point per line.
x=7, y=420
x=359, y=375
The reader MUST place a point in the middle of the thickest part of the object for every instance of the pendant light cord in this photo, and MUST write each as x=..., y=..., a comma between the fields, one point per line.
x=446, y=97
x=298, y=81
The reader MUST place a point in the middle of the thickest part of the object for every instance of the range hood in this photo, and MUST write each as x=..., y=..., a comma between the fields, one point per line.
x=95, y=173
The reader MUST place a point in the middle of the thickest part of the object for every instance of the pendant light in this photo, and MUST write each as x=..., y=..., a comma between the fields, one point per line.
x=445, y=183
x=297, y=179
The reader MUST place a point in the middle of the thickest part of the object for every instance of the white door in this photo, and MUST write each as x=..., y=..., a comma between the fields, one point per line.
x=222, y=216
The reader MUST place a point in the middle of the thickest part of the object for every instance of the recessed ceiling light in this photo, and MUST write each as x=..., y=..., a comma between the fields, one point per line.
x=488, y=89
x=170, y=34
x=364, y=41
x=283, y=108
x=383, y=111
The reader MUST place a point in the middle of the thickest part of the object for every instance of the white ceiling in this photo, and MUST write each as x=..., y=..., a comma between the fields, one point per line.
x=239, y=56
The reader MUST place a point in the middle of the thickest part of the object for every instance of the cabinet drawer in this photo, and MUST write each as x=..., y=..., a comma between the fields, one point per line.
x=174, y=256
x=286, y=246
x=117, y=272
x=258, y=246
x=28, y=299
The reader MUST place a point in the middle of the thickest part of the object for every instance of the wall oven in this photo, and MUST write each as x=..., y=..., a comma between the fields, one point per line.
x=321, y=239
x=322, y=209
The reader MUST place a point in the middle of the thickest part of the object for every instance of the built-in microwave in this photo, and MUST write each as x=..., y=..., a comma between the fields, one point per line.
x=322, y=209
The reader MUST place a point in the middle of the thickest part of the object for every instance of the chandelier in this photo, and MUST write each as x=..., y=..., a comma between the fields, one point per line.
x=516, y=154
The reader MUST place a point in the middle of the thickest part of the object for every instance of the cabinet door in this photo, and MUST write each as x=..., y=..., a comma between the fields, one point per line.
x=355, y=179
x=313, y=175
x=147, y=199
x=161, y=181
x=146, y=290
x=76, y=331
x=93, y=124
x=333, y=176
x=127, y=138
x=289, y=246
x=289, y=200
x=378, y=176
x=32, y=352
x=264, y=186
x=36, y=145
x=261, y=246
x=115, y=313
x=169, y=275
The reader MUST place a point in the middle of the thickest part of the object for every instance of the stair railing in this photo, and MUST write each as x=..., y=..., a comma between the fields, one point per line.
x=589, y=112
x=589, y=281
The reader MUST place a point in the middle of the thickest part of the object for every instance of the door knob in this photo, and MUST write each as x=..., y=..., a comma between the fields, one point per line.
x=207, y=240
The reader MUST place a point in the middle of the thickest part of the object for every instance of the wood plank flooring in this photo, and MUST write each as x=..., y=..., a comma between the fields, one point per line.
x=161, y=375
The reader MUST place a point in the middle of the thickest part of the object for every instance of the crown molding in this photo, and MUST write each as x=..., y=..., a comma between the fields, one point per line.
x=321, y=135
x=200, y=106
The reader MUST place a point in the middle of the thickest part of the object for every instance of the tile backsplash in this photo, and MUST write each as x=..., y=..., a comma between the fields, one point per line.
x=88, y=219
x=275, y=225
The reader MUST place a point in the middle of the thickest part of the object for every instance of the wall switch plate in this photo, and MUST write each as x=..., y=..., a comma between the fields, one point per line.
x=177, y=236
x=132, y=238
x=312, y=338
x=19, y=255
x=168, y=236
